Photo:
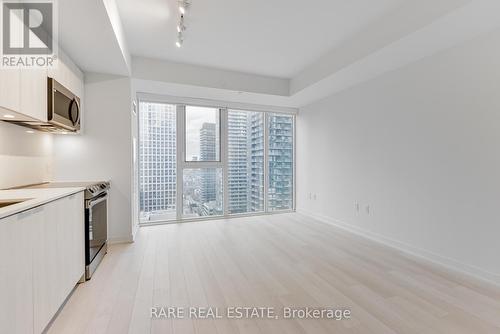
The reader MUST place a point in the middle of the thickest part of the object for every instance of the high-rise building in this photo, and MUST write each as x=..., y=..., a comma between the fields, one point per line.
x=208, y=147
x=157, y=159
x=246, y=161
x=238, y=161
x=208, y=144
x=256, y=161
x=280, y=194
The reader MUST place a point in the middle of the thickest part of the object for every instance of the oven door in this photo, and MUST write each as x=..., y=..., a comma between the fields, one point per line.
x=96, y=214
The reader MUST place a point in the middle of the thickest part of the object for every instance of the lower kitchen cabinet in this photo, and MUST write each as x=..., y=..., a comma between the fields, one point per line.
x=16, y=271
x=42, y=260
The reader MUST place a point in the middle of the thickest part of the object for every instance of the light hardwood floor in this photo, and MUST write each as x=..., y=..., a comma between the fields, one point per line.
x=273, y=261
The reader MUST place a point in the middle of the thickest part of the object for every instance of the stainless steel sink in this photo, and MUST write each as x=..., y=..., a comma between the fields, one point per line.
x=8, y=202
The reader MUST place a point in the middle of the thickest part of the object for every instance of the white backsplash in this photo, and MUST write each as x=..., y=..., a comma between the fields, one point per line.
x=25, y=158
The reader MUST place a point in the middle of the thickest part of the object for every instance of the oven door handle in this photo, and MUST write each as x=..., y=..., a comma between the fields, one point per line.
x=96, y=201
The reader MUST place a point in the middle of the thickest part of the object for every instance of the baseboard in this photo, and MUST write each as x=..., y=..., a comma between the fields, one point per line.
x=121, y=240
x=422, y=254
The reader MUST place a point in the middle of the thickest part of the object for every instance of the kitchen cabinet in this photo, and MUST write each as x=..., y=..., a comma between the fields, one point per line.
x=68, y=74
x=42, y=258
x=16, y=273
x=24, y=90
x=59, y=262
x=9, y=89
x=33, y=93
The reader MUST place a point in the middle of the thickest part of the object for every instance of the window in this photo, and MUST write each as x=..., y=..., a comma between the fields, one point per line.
x=210, y=161
x=202, y=134
x=245, y=161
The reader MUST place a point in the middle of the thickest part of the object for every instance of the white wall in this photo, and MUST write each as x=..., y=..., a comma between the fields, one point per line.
x=25, y=158
x=421, y=147
x=200, y=76
x=103, y=151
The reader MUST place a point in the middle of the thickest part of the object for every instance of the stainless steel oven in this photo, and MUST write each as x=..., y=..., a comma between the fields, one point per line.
x=96, y=227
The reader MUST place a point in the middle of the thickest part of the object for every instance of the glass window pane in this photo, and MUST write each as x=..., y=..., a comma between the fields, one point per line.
x=245, y=161
x=202, y=134
x=202, y=192
x=280, y=194
x=157, y=161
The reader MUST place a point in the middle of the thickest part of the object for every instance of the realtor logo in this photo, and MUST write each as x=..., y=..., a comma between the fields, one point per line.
x=28, y=31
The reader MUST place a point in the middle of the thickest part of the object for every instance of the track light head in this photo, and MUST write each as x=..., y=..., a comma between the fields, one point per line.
x=181, y=27
x=183, y=5
x=179, y=41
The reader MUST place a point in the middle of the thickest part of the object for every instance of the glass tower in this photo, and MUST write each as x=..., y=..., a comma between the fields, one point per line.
x=157, y=159
x=280, y=193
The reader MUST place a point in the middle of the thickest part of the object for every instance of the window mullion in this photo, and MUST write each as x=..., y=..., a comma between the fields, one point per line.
x=266, y=162
x=181, y=146
x=224, y=160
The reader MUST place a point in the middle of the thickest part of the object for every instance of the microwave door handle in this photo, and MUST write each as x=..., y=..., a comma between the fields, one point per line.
x=77, y=112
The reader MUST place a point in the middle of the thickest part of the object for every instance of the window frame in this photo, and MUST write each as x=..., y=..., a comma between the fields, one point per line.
x=182, y=164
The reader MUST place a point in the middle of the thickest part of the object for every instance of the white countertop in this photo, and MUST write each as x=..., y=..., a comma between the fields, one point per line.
x=35, y=198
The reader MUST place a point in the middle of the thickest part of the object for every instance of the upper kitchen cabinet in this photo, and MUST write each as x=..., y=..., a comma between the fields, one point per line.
x=67, y=74
x=33, y=93
x=23, y=92
x=9, y=89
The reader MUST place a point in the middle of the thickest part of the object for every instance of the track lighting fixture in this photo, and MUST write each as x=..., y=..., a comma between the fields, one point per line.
x=179, y=41
x=183, y=5
x=181, y=27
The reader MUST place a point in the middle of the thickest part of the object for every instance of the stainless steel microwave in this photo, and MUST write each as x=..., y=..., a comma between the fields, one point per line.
x=63, y=107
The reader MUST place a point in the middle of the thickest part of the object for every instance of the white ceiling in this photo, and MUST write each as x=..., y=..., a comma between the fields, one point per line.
x=286, y=56
x=277, y=38
x=87, y=34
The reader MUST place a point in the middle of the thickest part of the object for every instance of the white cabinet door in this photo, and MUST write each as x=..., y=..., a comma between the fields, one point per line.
x=59, y=259
x=34, y=93
x=45, y=268
x=67, y=74
x=17, y=236
x=9, y=89
x=70, y=242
